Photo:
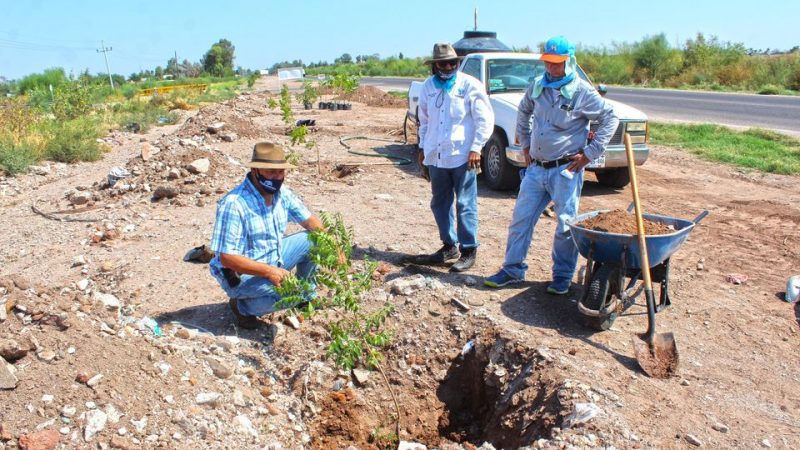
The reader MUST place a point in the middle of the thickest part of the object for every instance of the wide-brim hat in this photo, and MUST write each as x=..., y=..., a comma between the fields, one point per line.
x=557, y=50
x=443, y=52
x=267, y=155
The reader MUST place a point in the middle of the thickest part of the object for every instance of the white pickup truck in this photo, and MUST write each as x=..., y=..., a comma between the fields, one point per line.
x=506, y=77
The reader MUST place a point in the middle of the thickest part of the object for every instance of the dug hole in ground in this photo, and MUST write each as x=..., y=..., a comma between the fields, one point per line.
x=111, y=340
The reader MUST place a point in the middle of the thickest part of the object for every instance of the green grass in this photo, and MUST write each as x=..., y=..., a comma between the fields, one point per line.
x=755, y=148
x=399, y=94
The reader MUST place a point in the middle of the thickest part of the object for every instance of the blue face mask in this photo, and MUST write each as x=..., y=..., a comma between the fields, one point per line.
x=270, y=185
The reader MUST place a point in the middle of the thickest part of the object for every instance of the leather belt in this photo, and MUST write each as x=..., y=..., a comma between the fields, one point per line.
x=554, y=163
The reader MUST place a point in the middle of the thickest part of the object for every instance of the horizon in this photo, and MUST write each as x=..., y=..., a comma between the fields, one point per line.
x=35, y=37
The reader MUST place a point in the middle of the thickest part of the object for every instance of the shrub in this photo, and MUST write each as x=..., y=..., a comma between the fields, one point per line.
x=73, y=141
x=71, y=101
x=129, y=91
x=770, y=89
x=51, y=77
x=251, y=80
x=16, y=156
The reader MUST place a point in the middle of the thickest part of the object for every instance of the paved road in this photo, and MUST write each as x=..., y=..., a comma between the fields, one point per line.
x=780, y=113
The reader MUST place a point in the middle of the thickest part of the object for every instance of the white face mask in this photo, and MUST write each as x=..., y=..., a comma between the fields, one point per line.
x=445, y=74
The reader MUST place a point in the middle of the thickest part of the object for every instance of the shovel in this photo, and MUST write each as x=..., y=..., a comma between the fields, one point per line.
x=656, y=353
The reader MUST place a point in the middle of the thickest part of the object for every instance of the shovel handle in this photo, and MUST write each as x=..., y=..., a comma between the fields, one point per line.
x=643, y=257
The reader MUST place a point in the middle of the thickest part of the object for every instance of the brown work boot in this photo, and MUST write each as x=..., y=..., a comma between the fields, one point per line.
x=246, y=322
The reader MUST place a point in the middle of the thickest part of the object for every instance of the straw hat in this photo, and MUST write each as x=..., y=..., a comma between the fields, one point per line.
x=267, y=155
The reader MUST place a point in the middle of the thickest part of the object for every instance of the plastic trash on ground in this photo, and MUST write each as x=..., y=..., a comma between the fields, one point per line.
x=116, y=174
x=793, y=289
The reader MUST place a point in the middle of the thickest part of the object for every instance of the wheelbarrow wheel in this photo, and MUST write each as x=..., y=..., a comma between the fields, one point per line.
x=602, y=287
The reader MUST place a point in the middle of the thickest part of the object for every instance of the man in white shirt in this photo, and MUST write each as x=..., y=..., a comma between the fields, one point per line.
x=455, y=121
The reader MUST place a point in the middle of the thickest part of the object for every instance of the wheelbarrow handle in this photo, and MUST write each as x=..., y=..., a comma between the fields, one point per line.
x=700, y=216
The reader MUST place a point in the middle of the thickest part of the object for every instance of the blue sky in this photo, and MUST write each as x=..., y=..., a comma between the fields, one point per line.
x=38, y=34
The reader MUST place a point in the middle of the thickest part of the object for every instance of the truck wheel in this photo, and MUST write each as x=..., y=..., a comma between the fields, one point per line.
x=498, y=173
x=601, y=288
x=617, y=177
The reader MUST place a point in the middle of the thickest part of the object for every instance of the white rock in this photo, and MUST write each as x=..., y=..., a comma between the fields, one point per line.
x=68, y=411
x=95, y=423
x=139, y=425
x=766, y=444
x=108, y=300
x=47, y=398
x=39, y=170
x=82, y=284
x=693, y=440
x=361, y=376
x=583, y=413
x=7, y=378
x=64, y=430
x=293, y=322
x=405, y=445
x=385, y=197
x=122, y=431
x=114, y=415
x=721, y=427
x=95, y=380
x=78, y=261
x=244, y=425
x=408, y=285
x=210, y=398
x=199, y=166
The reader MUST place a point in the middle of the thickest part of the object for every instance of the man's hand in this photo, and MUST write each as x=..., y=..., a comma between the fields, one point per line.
x=420, y=157
x=526, y=152
x=474, y=160
x=579, y=161
x=275, y=275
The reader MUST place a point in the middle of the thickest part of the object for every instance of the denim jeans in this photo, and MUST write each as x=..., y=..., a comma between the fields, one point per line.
x=460, y=184
x=538, y=187
x=256, y=295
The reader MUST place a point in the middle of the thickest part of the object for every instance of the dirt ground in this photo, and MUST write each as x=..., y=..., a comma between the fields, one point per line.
x=471, y=367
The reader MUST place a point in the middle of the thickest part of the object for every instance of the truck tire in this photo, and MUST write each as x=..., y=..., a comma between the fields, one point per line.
x=498, y=173
x=617, y=177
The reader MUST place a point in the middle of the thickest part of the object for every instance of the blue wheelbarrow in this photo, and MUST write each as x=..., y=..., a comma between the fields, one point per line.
x=613, y=266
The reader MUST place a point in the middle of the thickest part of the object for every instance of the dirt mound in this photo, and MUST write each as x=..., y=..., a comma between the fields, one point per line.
x=372, y=96
x=620, y=222
x=221, y=122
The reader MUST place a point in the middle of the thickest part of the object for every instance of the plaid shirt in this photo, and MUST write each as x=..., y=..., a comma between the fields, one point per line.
x=246, y=226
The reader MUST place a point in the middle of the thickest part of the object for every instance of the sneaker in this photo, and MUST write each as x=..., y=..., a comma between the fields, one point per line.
x=246, y=322
x=466, y=260
x=501, y=279
x=559, y=286
x=443, y=255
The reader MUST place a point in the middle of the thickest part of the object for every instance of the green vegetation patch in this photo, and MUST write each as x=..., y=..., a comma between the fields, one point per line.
x=755, y=148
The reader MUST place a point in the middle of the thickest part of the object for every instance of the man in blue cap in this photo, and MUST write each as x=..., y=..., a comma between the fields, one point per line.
x=556, y=151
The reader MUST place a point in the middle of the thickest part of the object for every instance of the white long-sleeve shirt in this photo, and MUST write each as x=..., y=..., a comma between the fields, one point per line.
x=452, y=124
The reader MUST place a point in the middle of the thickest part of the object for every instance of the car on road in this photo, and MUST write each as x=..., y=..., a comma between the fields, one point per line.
x=506, y=76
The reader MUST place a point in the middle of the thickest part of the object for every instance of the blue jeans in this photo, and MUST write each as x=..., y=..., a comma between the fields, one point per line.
x=539, y=186
x=256, y=295
x=461, y=184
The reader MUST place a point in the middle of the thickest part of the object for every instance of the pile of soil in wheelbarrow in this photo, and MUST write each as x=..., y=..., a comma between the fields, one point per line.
x=620, y=222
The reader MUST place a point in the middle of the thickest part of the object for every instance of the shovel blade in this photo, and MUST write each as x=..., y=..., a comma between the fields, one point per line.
x=658, y=359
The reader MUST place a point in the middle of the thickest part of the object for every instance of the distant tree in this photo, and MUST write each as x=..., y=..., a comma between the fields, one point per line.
x=400, y=56
x=51, y=77
x=344, y=59
x=654, y=58
x=218, y=60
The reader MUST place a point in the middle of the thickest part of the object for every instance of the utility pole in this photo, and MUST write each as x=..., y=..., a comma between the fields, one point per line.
x=476, y=20
x=104, y=50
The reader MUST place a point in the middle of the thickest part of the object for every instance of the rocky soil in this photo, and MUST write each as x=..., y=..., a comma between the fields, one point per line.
x=109, y=339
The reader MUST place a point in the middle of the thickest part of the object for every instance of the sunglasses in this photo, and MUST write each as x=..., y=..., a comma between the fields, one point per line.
x=447, y=64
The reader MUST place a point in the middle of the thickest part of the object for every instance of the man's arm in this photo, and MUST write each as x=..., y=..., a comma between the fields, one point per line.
x=312, y=224
x=524, y=113
x=483, y=116
x=243, y=264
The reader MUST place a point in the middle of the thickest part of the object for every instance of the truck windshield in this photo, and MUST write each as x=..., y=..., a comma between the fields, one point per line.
x=507, y=75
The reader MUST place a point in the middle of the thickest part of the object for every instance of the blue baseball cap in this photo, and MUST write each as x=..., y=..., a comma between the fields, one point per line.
x=557, y=50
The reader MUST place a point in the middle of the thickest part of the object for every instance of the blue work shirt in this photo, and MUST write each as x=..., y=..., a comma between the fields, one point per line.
x=246, y=226
x=561, y=124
